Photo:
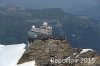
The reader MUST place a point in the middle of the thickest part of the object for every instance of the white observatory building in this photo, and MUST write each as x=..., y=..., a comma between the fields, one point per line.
x=44, y=29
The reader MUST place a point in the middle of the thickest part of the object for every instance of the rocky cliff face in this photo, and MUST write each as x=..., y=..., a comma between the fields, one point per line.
x=50, y=53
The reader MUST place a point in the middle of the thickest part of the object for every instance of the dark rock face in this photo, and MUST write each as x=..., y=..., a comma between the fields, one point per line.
x=43, y=51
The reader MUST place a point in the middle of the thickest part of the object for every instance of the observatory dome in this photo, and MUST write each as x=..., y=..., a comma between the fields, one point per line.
x=45, y=23
x=33, y=26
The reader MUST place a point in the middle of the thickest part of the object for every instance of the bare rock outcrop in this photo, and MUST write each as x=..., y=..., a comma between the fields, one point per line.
x=43, y=51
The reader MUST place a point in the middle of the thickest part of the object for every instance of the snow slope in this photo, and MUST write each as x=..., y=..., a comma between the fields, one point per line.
x=31, y=63
x=10, y=54
x=1, y=45
x=84, y=51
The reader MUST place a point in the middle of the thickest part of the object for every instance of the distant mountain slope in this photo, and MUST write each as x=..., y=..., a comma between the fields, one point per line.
x=82, y=32
x=13, y=30
x=92, y=12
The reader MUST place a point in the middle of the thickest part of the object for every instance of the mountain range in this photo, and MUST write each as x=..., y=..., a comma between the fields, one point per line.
x=80, y=31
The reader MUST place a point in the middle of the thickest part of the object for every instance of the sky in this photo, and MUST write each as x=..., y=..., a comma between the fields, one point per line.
x=67, y=5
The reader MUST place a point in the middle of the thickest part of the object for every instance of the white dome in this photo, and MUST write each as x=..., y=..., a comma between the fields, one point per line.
x=33, y=26
x=50, y=27
x=45, y=23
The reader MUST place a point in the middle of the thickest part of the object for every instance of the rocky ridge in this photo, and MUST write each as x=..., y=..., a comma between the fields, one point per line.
x=44, y=51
